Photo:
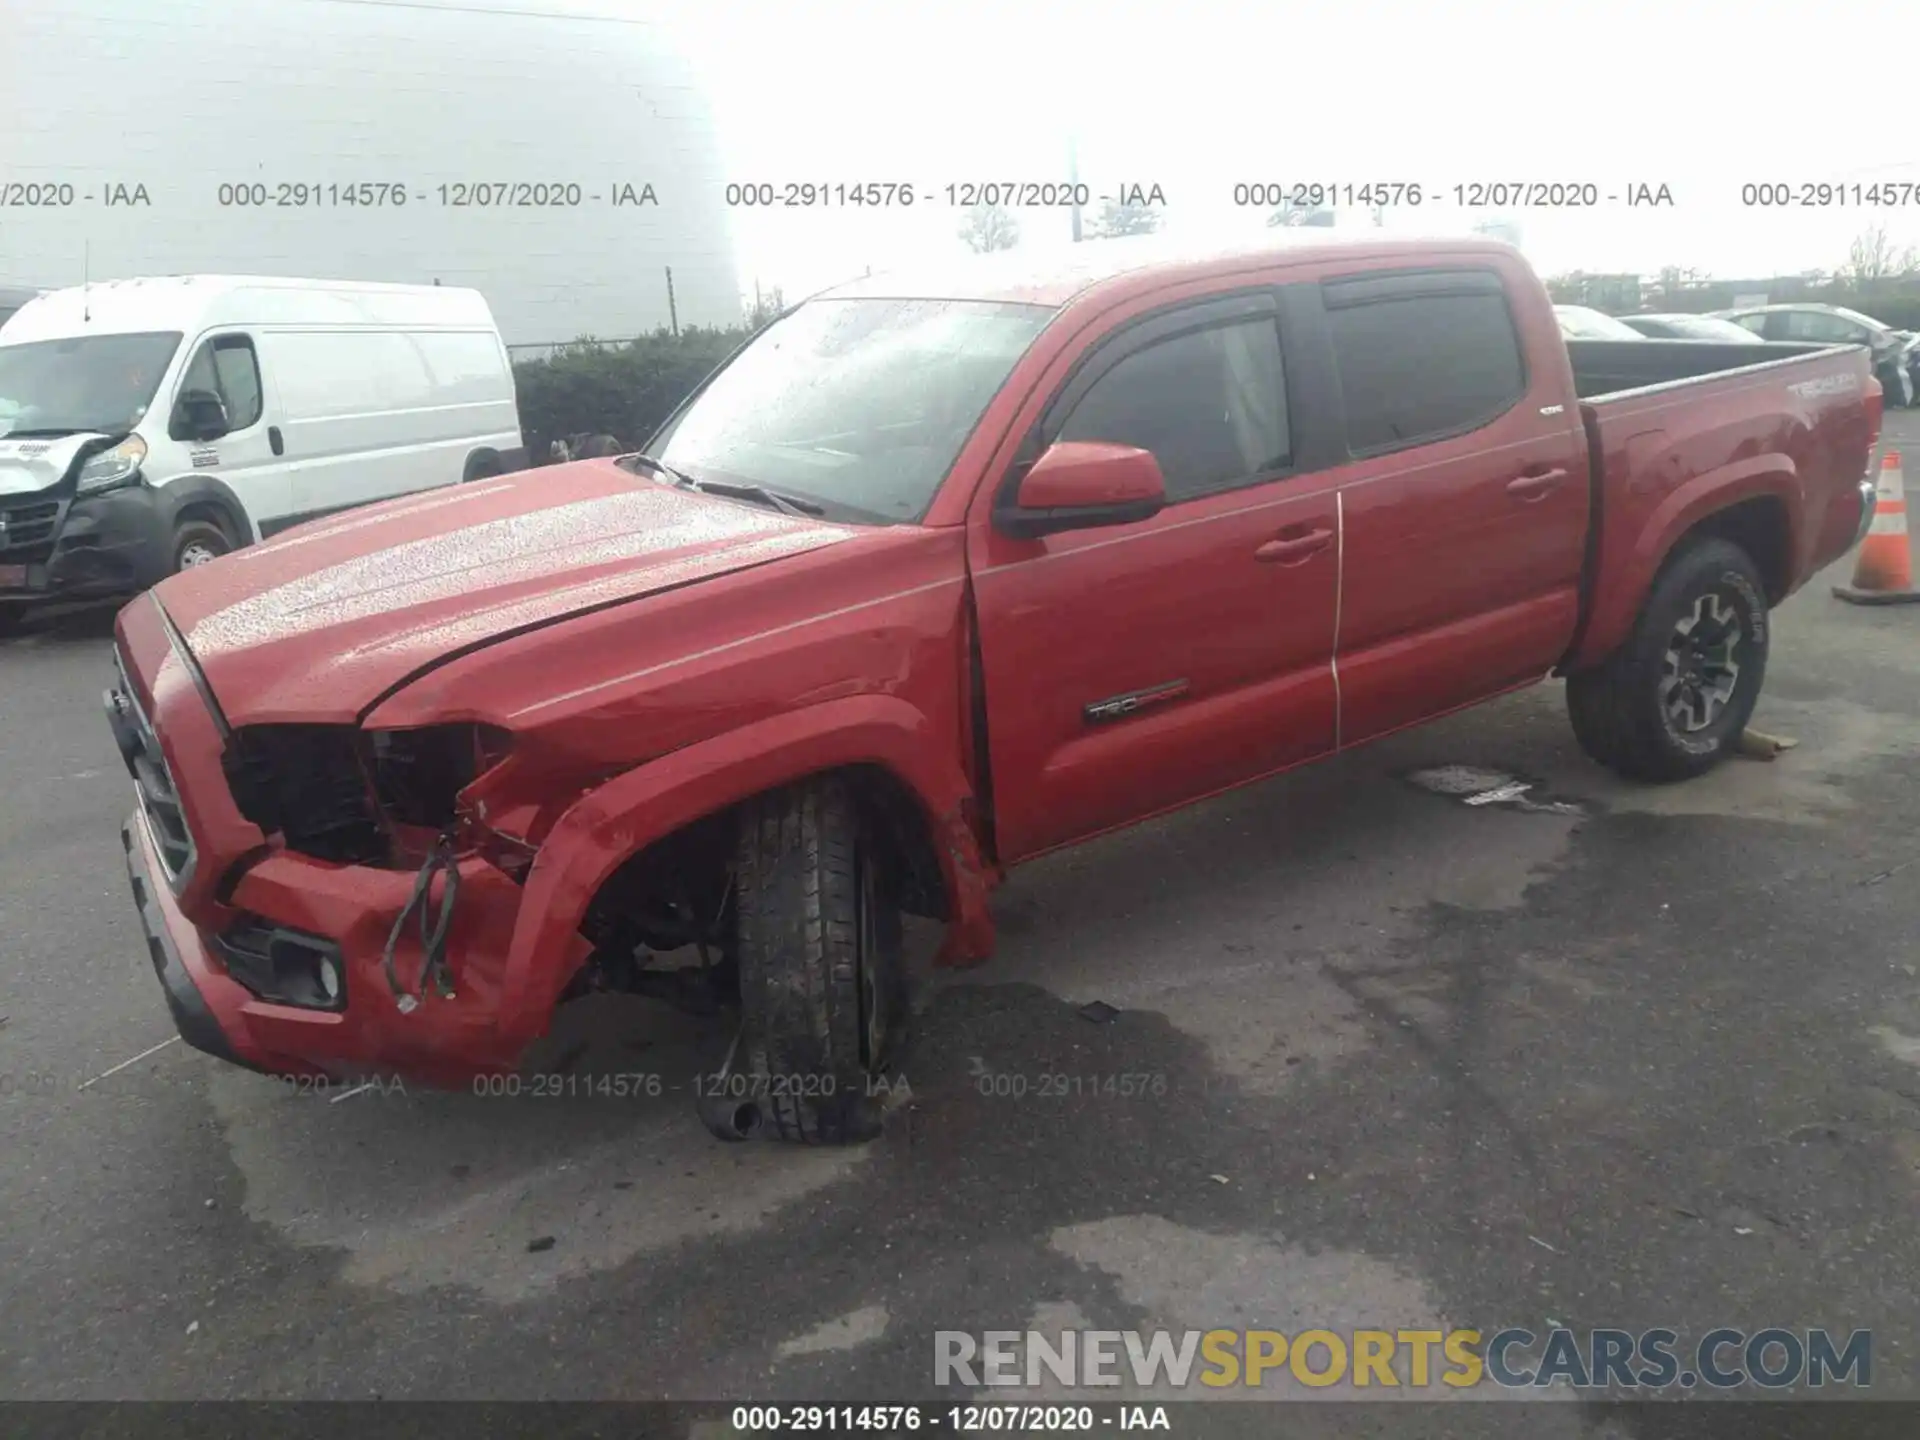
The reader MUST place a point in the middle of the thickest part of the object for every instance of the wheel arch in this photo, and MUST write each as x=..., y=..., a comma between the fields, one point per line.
x=206, y=497
x=881, y=743
x=483, y=463
x=1756, y=506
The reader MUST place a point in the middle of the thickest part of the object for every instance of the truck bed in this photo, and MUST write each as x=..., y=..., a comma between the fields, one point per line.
x=1605, y=367
x=1677, y=426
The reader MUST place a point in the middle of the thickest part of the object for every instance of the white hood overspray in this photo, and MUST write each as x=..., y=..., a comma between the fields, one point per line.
x=29, y=464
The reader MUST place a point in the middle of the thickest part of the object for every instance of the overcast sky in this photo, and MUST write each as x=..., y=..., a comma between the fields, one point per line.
x=1198, y=95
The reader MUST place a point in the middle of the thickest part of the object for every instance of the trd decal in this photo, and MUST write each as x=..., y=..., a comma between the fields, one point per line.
x=1118, y=707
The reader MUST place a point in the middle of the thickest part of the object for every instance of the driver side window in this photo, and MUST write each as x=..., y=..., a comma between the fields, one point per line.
x=227, y=366
x=1210, y=406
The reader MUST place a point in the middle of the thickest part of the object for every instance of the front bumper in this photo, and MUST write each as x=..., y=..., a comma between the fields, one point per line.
x=100, y=546
x=161, y=922
x=446, y=1042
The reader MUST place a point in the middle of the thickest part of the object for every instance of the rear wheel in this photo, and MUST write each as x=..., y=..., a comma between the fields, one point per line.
x=10, y=618
x=822, y=984
x=1673, y=700
x=198, y=542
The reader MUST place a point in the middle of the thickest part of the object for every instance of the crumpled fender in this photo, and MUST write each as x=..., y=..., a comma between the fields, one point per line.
x=597, y=834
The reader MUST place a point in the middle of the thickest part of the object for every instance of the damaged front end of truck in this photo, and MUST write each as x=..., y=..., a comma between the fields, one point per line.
x=391, y=844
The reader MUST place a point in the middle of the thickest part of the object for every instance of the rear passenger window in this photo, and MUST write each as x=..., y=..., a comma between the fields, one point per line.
x=1211, y=406
x=1416, y=366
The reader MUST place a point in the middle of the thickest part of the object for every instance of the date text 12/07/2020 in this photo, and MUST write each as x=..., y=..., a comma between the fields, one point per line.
x=961, y=194
x=456, y=194
x=1312, y=195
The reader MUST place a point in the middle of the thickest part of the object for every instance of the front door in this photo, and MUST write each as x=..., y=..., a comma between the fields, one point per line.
x=1129, y=670
x=246, y=459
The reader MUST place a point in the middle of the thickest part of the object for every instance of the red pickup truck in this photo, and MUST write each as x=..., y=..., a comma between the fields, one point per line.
x=934, y=575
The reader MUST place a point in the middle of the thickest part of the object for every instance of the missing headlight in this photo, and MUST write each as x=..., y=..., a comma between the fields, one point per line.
x=419, y=773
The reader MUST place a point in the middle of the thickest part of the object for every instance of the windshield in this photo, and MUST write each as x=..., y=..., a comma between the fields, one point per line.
x=84, y=382
x=859, y=406
x=1579, y=323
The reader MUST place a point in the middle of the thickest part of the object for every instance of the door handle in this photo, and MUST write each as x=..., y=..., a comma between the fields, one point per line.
x=278, y=445
x=1536, y=485
x=1292, y=549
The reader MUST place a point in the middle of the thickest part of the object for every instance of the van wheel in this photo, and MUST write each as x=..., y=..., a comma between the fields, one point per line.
x=822, y=983
x=1673, y=700
x=10, y=618
x=198, y=542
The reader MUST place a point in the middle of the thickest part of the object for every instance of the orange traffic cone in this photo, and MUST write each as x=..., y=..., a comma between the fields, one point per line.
x=1883, y=575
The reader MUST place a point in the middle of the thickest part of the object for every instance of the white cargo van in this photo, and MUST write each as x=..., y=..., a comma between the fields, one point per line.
x=148, y=425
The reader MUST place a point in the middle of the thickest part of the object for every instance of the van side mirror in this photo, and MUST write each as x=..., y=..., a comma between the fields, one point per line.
x=198, y=415
x=1082, y=485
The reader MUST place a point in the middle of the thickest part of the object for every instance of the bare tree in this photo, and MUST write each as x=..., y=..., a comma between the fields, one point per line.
x=990, y=227
x=766, y=307
x=1873, y=256
x=1116, y=219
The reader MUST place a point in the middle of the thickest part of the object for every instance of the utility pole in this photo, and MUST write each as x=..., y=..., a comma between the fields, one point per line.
x=1073, y=179
x=673, y=310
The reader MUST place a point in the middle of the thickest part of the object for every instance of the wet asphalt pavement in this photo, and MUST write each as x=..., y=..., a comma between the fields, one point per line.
x=1398, y=1061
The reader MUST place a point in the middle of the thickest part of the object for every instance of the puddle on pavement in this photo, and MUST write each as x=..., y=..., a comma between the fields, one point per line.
x=1478, y=787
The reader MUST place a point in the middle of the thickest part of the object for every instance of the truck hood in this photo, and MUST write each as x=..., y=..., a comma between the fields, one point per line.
x=29, y=463
x=323, y=621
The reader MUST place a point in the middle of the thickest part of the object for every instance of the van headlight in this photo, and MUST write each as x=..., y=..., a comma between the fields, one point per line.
x=111, y=469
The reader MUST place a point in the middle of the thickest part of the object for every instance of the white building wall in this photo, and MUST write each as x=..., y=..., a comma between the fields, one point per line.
x=182, y=96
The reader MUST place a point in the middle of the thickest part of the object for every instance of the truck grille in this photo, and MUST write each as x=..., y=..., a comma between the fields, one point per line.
x=159, y=799
x=308, y=784
x=27, y=536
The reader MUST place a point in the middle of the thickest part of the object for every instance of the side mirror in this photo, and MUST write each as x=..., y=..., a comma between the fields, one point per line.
x=1081, y=485
x=198, y=415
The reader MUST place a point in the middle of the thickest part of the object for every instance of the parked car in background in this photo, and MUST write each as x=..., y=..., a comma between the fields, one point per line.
x=1581, y=322
x=1689, y=327
x=1896, y=361
x=907, y=593
x=151, y=425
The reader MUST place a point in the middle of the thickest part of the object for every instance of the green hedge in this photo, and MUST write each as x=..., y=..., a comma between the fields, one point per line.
x=624, y=390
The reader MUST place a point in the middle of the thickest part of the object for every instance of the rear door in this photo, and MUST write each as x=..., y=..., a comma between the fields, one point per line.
x=1465, y=499
x=1134, y=668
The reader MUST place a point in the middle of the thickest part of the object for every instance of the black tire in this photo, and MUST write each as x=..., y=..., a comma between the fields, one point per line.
x=482, y=467
x=197, y=538
x=10, y=618
x=1622, y=714
x=822, y=983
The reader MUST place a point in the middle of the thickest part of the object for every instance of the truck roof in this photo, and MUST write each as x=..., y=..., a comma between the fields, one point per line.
x=193, y=303
x=1053, y=276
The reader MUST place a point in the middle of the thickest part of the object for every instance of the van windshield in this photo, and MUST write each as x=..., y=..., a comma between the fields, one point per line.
x=857, y=406
x=81, y=383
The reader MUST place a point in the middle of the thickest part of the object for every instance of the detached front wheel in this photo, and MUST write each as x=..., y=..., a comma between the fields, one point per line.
x=1673, y=700
x=822, y=982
